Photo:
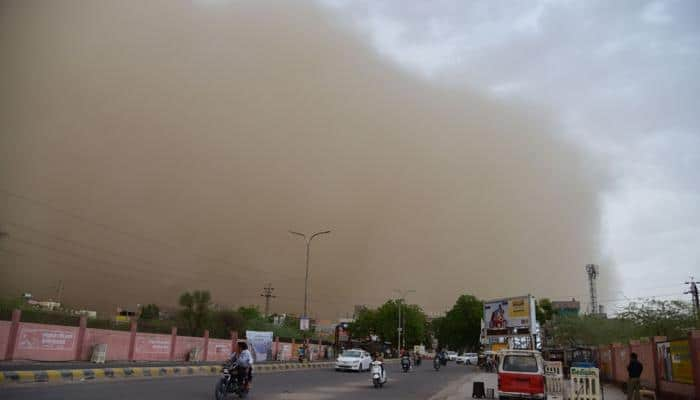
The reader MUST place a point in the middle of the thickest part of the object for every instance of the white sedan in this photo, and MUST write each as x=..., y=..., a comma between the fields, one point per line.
x=353, y=360
x=468, y=359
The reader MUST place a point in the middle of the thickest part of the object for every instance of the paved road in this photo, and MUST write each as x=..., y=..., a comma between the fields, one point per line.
x=421, y=383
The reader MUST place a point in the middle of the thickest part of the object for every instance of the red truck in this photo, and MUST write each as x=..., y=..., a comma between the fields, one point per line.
x=520, y=375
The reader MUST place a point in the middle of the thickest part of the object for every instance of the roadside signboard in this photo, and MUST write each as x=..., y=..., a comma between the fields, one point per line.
x=503, y=316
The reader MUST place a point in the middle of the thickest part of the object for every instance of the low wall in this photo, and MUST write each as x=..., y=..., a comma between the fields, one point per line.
x=4, y=336
x=218, y=349
x=152, y=347
x=43, y=342
x=117, y=343
x=613, y=361
x=46, y=342
x=184, y=344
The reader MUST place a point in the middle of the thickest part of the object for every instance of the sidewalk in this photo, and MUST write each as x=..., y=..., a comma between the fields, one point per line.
x=463, y=389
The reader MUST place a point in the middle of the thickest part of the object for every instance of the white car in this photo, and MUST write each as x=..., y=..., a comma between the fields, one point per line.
x=468, y=359
x=451, y=355
x=353, y=360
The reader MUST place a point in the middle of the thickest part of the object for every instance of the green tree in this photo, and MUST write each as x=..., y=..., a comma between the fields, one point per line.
x=150, y=311
x=672, y=318
x=460, y=328
x=250, y=313
x=195, y=312
x=383, y=322
x=224, y=321
x=543, y=310
x=638, y=319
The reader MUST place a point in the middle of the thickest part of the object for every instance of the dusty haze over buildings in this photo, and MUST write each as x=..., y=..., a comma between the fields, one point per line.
x=150, y=148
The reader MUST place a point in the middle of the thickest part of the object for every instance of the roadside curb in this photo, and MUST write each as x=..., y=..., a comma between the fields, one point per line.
x=79, y=375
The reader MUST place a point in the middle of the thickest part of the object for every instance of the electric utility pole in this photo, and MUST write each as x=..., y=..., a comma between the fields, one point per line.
x=267, y=294
x=693, y=291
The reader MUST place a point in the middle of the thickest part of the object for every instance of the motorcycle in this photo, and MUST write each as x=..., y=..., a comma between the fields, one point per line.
x=418, y=361
x=405, y=363
x=229, y=383
x=378, y=374
x=436, y=363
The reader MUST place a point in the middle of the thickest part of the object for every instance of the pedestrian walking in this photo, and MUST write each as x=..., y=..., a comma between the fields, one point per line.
x=634, y=371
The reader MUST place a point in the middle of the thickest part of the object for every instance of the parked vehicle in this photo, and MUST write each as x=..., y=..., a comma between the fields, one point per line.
x=229, y=384
x=451, y=355
x=520, y=375
x=378, y=374
x=353, y=360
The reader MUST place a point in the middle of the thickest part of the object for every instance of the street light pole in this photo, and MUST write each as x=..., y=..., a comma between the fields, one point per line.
x=306, y=279
x=402, y=295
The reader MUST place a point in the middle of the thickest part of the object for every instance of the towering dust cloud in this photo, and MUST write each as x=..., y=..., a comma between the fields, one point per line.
x=148, y=148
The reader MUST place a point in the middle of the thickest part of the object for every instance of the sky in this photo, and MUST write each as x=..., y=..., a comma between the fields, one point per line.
x=622, y=79
x=148, y=149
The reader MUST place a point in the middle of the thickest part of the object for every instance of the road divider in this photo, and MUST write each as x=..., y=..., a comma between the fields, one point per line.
x=91, y=374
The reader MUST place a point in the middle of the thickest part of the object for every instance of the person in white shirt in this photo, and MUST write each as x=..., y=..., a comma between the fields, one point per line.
x=245, y=362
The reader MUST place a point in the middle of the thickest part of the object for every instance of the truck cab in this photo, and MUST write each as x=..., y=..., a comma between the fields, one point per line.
x=520, y=375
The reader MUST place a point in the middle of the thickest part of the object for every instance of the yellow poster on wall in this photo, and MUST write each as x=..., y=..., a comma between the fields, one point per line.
x=499, y=346
x=681, y=362
x=519, y=307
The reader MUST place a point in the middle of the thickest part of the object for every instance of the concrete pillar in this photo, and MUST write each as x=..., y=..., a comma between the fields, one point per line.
x=173, y=342
x=206, y=345
x=614, y=361
x=694, y=344
x=81, y=337
x=275, y=356
x=234, y=342
x=656, y=366
x=12, y=339
x=132, y=339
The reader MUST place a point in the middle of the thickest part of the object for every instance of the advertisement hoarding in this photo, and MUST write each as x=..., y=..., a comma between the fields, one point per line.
x=46, y=339
x=504, y=315
x=260, y=344
x=681, y=363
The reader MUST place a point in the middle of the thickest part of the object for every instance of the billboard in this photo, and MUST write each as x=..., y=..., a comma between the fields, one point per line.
x=681, y=362
x=260, y=344
x=504, y=315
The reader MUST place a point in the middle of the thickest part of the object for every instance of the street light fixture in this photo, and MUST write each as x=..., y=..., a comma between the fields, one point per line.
x=306, y=279
x=402, y=296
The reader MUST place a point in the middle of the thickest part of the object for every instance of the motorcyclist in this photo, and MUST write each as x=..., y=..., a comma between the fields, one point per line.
x=405, y=355
x=245, y=363
x=379, y=357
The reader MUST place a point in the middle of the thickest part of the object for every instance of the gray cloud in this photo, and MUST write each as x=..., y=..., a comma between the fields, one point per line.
x=622, y=78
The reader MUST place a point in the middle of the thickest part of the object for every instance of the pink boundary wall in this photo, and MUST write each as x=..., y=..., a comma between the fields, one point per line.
x=184, y=344
x=618, y=359
x=46, y=342
x=117, y=343
x=152, y=347
x=4, y=337
x=42, y=342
